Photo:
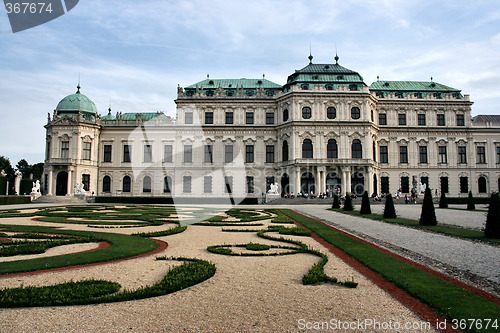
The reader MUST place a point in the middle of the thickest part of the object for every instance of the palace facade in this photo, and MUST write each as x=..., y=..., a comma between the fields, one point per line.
x=325, y=130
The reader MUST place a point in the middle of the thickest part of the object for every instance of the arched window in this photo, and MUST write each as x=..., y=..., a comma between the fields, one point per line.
x=356, y=149
x=284, y=150
x=146, y=184
x=306, y=112
x=106, y=184
x=285, y=115
x=355, y=113
x=481, y=182
x=127, y=182
x=331, y=149
x=307, y=149
x=331, y=112
x=167, y=184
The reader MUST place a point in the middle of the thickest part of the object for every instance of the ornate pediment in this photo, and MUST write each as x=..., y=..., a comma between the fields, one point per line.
x=64, y=121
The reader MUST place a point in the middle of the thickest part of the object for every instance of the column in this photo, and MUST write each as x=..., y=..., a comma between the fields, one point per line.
x=348, y=180
x=317, y=181
x=49, y=181
x=70, y=181
x=344, y=182
x=369, y=181
x=297, y=180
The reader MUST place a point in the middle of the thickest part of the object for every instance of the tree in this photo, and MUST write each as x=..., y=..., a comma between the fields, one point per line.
x=470, y=202
x=492, y=228
x=9, y=175
x=365, y=204
x=443, y=203
x=348, y=203
x=336, y=202
x=24, y=167
x=37, y=170
x=428, y=214
x=389, y=210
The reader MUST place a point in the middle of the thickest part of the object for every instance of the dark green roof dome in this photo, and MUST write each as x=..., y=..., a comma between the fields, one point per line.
x=76, y=102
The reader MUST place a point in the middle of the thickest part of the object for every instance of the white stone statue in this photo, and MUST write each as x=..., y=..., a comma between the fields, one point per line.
x=79, y=190
x=36, y=187
x=274, y=189
x=422, y=187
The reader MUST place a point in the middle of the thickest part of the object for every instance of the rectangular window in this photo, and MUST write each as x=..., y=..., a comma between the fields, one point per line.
x=384, y=156
x=498, y=154
x=228, y=153
x=186, y=184
x=168, y=153
x=87, y=146
x=440, y=120
x=249, y=118
x=464, y=185
x=249, y=154
x=188, y=118
x=442, y=157
x=481, y=155
x=462, y=155
x=250, y=187
x=382, y=119
x=148, y=153
x=47, y=152
x=209, y=158
x=228, y=184
x=402, y=119
x=405, y=184
x=384, y=184
x=403, y=154
x=229, y=118
x=421, y=119
x=127, y=150
x=425, y=180
x=86, y=182
x=207, y=184
x=107, y=153
x=188, y=153
x=270, y=154
x=209, y=118
x=444, y=184
x=460, y=120
x=423, y=154
x=269, y=118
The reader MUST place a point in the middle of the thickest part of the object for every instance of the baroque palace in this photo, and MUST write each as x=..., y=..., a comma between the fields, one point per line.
x=324, y=131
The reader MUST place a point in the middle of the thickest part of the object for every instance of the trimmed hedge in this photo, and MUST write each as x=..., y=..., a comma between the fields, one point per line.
x=14, y=200
x=463, y=201
x=170, y=200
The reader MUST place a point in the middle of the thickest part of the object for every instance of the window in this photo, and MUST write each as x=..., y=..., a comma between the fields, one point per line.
x=481, y=155
x=186, y=184
x=188, y=154
x=127, y=182
x=47, y=152
x=229, y=117
x=382, y=118
x=353, y=87
x=402, y=119
x=86, y=182
x=405, y=184
x=460, y=120
x=207, y=184
x=167, y=153
x=270, y=154
x=421, y=119
x=403, y=154
x=249, y=154
x=188, y=118
x=285, y=115
x=106, y=184
x=167, y=184
x=228, y=153
x=228, y=182
x=442, y=156
x=331, y=149
x=127, y=149
x=209, y=118
x=462, y=154
x=374, y=151
x=146, y=184
x=148, y=153
x=269, y=118
x=356, y=149
x=250, y=184
x=208, y=158
x=440, y=120
x=498, y=154
x=372, y=117
x=249, y=118
x=444, y=184
x=65, y=149
x=481, y=184
x=107, y=153
x=355, y=113
x=425, y=180
x=306, y=112
x=464, y=184
x=307, y=149
x=384, y=184
x=423, y=154
x=331, y=112
x=384, y=156
x=269, y=182
x=87, y=146
x=284, y=150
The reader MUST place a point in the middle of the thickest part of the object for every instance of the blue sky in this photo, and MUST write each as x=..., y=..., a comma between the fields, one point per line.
x=132, y=54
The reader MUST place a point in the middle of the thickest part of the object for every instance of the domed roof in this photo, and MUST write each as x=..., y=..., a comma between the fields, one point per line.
x=76, y=102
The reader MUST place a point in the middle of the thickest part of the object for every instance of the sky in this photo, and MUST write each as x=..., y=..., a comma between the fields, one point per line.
x=131, y=55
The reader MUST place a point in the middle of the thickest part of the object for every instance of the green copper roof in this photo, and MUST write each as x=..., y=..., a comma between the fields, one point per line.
x=145, y=116
x=109, y=116
x=76, y=102
x=233, y=83
x=411, y=86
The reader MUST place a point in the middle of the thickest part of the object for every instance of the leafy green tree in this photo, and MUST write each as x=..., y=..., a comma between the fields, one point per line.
x=348, y=203
x=365, y=204
x=470, y=202
x=443, y=203
x=336, y=202
x=9, y=176
x=428, y=214
x=37, y=170
x=389, y=210
x=24, y=167
x=492, y=229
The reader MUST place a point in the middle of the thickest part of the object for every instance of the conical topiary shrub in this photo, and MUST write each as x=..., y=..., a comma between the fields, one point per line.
x=389, y=210
x=428, y=214
x=348, y=203
x=470, y=202
x=336, y=202
x=443, y=203
x=492, y=229
x=365, y=204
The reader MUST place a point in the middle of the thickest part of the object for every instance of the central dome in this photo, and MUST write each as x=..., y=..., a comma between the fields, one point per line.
x=76, y=102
